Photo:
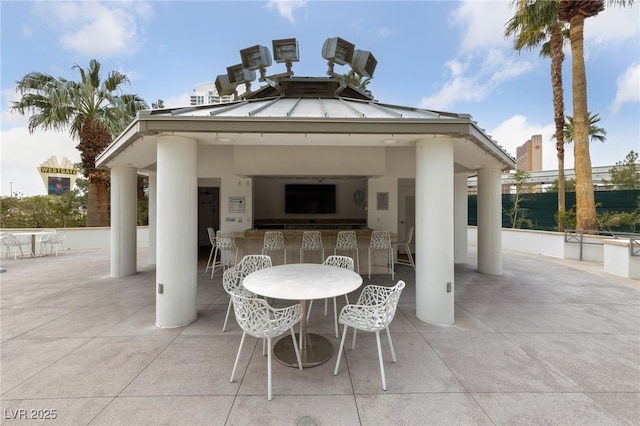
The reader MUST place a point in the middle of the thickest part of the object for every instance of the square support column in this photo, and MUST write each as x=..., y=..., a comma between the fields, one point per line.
x=489, y=221
x=124, y=213
x=177, y=237
x=461, y=217
x=434, y=231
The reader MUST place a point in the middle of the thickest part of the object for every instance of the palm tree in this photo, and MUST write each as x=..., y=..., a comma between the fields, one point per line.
x=92, y=109
x=536, y=23
x=359, y=82
x=595, y=133
x=575, y=12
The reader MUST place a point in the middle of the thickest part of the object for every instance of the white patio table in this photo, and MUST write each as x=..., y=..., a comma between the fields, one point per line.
x=303, y=282
x=33, y=238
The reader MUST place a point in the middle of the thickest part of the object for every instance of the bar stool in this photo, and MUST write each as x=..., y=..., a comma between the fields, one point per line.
x=274, y=241
x=225, y=246
x=311, y=240
x=381, y=241
x=346, y=240
x=406, y=244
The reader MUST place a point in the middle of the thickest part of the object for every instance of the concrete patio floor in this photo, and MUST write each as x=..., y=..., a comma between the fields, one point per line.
x=549, y=342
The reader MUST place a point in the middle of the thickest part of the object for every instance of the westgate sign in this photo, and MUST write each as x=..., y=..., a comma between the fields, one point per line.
x=58, y=177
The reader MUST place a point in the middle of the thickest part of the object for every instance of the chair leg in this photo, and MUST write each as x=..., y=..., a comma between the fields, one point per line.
x=235, y=364
x=339, y=354
x=215, y=256
x=410, y=256
x=369, y=263
x=209, y=264
x=393, y=353
x=295, y=346
x=384, y=382
x=335, y=317
x=353, y=341
x=269, y=368
x=224, y=326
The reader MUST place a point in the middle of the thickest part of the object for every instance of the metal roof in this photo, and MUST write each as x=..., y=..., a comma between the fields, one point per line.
x=321, y=110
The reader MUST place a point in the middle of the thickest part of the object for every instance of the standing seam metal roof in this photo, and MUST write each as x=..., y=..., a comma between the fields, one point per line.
x=304, y=107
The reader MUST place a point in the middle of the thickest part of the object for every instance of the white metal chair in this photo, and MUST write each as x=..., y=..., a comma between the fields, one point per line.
x=212, y=239
x=14, y=243
x=311, y=240
x=258, y=319
x=407, y=248
x=274, y=241
x=346, y=240
x=56, y=240
x=233, y=276
x=225, y=246
x=381, y=241
x=373, y=312
x=340, y=262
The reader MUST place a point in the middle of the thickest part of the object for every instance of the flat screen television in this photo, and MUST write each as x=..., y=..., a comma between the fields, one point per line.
x=304, y=198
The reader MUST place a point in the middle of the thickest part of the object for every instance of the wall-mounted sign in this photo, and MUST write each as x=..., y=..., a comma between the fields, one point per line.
x=236, y=204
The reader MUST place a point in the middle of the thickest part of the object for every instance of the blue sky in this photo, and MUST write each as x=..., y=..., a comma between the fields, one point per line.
x=442, y=55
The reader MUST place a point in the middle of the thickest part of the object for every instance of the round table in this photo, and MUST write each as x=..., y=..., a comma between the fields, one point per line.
x=303, y=282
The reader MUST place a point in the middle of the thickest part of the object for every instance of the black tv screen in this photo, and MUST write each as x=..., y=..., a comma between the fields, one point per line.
x=309, y=198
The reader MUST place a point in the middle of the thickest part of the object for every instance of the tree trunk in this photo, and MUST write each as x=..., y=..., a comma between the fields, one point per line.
x=557, y=58
x=98, y=200
x=585, y=202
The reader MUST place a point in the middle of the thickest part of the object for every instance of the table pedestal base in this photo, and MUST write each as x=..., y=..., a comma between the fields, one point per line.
x=317, y=350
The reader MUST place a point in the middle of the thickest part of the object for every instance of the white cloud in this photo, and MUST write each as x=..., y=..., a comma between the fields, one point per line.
x=482, y=24
x=286, y=7
x=628, y=87
x=516, y=130
x=613, y=25
x=472, y=82
x=97, y=29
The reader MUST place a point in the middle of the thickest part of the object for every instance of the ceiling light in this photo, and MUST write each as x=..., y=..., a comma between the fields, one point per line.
x=389, y=141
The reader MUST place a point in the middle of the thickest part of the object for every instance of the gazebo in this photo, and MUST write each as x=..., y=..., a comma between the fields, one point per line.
x=304, y=128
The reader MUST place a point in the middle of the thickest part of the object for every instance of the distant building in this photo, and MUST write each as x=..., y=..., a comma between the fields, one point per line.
x=206, y=94
x=529, y=155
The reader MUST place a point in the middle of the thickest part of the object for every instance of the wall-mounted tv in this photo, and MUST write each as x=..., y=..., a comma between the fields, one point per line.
x=299, y=198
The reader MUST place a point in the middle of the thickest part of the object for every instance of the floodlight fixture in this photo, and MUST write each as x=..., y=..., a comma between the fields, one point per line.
x=337, y=50
x=255, y=57
x=363, y=63
x=224, y=86
x=286, y=50
x=238, y=74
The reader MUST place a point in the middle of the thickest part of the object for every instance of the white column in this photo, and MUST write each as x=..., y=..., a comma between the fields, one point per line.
x=489, y=222
x=177, y=239
x=153, y=199
x=124, y=213
x=434, y=231
x=461, y=217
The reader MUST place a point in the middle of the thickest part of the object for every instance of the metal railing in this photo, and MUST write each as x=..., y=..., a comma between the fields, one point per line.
x=577, y=236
